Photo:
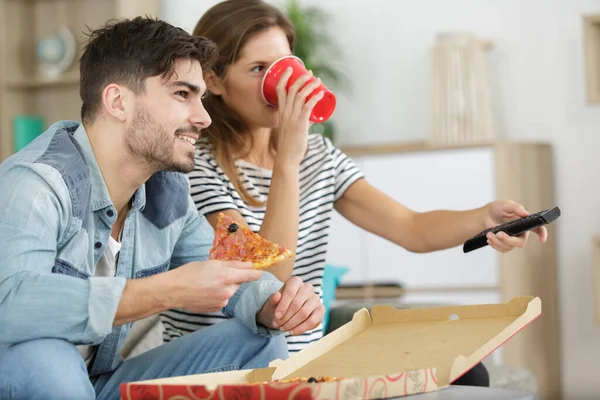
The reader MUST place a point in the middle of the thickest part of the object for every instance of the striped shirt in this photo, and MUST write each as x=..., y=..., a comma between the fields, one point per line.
x=325, y=174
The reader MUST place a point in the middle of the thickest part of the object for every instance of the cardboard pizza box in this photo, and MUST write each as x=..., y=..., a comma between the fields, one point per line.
x=380, y=354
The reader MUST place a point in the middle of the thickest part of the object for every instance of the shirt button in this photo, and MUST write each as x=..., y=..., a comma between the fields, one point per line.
x=98, y=245
x=110, y=213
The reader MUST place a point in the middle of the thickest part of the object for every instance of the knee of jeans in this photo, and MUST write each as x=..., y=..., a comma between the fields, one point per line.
x=236, y=330
x=231, y=327
x=279, y=347
x=44, y=369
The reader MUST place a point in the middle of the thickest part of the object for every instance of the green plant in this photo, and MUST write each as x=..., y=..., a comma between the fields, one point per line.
x=316, y=49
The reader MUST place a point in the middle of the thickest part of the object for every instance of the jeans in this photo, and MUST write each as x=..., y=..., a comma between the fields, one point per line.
x=54, y=369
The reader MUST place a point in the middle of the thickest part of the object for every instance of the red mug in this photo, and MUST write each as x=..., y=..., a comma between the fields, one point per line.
x=321, y=111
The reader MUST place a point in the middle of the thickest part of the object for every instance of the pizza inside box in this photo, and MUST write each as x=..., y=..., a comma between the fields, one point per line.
x=380, y=354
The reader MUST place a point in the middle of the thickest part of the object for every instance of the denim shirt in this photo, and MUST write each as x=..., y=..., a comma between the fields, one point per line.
x=55, y=221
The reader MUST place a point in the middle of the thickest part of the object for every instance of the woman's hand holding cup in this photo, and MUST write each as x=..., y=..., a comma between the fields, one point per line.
x=295, y=108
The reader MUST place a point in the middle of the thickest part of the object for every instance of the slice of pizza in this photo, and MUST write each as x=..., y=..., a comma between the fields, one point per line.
x=234, y=242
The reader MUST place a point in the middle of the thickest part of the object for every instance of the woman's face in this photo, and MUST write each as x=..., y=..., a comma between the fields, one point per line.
x=241, y=89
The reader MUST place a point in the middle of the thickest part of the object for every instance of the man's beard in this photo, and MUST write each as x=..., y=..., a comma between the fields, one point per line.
x=152, y=144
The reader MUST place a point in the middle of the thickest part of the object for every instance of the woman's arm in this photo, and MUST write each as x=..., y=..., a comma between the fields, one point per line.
x=280, y=224
x=282, y=215
x=374, y=211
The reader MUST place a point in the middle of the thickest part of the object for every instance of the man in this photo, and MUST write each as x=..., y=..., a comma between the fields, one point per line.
x=98, y=230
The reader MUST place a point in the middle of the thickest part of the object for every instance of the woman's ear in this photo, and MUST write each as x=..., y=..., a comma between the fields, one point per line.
x=214, y=83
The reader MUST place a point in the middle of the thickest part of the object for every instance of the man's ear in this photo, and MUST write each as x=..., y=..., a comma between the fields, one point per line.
x=214, y=83
x=117, y=101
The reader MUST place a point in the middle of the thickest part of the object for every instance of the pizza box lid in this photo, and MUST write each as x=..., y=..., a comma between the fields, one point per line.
x=383, y=353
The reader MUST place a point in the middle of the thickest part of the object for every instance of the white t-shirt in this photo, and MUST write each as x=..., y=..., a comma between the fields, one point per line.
x=325, y=174
x=106, y=266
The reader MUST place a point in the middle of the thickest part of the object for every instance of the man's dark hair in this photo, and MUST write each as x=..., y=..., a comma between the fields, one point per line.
x=129, y=51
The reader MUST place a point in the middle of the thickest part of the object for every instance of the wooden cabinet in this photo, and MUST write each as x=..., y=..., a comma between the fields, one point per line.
x=425, y=178
x=23, y=90
x=591, y=31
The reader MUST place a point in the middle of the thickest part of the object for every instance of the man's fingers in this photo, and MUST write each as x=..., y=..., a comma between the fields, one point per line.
x=289, y=290
x=313, y=320
x=275, y=299
x=239, y=264
x=244, y=275
x=304, y=293
x=301, y=315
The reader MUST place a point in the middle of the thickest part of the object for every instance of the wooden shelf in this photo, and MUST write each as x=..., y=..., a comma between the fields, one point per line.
x=403, y=147
x=418, y=146
x=40, y=82
x=596, y=264
x=37, y=1
x=23, y=91
x=591, y=26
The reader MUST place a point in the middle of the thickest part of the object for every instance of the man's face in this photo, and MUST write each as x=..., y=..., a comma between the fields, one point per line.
x=167, y=119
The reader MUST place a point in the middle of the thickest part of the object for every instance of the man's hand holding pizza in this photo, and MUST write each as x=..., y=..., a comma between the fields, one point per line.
x=295, y=308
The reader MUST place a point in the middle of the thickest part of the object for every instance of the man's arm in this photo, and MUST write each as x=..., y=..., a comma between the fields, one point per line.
x=204, y=286
x=248, y=301
x=35, y=207
x=144, y=297
x=194, y=245
x=256, y=303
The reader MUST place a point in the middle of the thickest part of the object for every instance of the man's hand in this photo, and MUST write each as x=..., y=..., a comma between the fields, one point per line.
x=207, y=286
x=295, y=308
x=503, y=211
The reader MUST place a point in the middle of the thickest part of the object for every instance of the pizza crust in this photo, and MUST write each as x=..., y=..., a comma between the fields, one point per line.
x=268, y=262
x=302, y=380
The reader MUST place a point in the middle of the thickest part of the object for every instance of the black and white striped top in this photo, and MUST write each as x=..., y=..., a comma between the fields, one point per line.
x=325, y=174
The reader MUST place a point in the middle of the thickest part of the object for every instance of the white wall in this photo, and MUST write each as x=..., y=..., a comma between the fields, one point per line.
x=536, y=74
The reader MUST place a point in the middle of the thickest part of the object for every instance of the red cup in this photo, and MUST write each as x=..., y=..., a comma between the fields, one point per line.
x=321, y=111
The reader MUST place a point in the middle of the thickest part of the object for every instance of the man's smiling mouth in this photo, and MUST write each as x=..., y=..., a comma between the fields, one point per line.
x=187, y=139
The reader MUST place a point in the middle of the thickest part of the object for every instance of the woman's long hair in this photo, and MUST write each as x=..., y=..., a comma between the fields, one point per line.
x=230, y=25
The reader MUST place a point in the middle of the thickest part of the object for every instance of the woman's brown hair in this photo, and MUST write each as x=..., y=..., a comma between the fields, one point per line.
x=230, y=24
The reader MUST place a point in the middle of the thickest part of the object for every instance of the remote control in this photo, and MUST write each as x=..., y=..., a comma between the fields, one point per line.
x=514, y=228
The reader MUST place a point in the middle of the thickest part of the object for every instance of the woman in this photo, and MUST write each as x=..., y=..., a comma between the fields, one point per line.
x=259, y=165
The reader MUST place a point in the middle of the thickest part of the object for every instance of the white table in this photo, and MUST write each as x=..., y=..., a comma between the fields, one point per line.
x=455, y=392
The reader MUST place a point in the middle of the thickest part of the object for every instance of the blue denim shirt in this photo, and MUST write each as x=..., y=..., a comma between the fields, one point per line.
x=55, y=221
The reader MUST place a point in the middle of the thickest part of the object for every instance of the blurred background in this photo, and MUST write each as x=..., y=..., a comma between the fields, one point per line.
x=443, y=104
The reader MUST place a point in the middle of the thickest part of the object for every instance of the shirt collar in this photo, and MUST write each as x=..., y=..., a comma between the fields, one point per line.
x=100, y=196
